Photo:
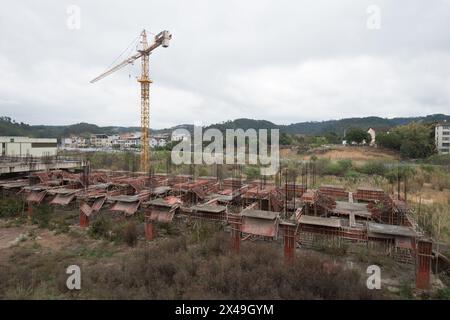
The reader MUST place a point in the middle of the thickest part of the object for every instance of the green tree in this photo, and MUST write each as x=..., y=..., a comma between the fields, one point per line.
x=357, y=135
x=391, y=140
x=252, y=172
x=414, y=140
x=332, y=137
x=285, y=139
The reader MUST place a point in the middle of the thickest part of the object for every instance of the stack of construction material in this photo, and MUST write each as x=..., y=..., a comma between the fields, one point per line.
x=326, y=202
x=310, y=196
x=232, y=183
x=334, y=191
x=207, y=179
x=369, y=194
x=179, y=179
x=290, y=189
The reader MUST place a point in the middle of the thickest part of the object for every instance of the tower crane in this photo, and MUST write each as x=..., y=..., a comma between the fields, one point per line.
x=161, y=39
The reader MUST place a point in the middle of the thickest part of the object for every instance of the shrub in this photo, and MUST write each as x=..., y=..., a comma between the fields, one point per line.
x=130, y=234
x=338, y=168
x=100, y=228
x=173, y=270
x=252, y=172
x=10, y=207
x=321, y=164
x=406, y=291
x=443, y=294
x=373, y=167
x=352, y=174
x=42, y=215
x=439, y=159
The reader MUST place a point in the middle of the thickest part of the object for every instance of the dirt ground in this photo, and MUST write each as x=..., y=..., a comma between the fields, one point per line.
x=355, y=153
x=430, y=196
x=343, y=152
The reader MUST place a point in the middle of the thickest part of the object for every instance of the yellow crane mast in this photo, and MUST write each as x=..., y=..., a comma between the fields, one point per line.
x=161, y=39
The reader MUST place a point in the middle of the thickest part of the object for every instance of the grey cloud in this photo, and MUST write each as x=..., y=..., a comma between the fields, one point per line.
x=284, y=61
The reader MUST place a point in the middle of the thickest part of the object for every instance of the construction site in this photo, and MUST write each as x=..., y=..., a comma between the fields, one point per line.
x=283, y=212
x=288, y=210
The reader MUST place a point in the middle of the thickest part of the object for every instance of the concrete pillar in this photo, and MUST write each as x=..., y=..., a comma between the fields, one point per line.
x=235, y=223
x=289, y=242
x=423, y=263
x=30, y=209
x=84, y=220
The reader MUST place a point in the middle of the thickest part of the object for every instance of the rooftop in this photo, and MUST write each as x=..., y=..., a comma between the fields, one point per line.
x=359, y=209
x=260, y=214
x=209, y=208
x=390, y=229
x=320, y=221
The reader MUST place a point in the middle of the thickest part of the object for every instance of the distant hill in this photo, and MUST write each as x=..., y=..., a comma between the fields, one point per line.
x=9, y=127
x=245, y=124
x=336, y=126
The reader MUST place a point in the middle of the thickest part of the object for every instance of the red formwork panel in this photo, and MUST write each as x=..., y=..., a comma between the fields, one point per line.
x=333, y=191
x=291, y=189
x=129, y=208
x=63, y=199
x=424, y=254
x=36, y=196
x=260, y=223
x=289, y=239
x=369, y=194
x=235, y=221
x=164, y=215
x=232, y=183
x=310, y=196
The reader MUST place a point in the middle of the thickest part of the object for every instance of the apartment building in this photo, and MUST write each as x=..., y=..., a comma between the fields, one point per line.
x=442, y=137
x=100, y=141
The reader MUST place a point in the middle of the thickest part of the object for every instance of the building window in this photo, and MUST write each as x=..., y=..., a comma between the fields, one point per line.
x=43, y=144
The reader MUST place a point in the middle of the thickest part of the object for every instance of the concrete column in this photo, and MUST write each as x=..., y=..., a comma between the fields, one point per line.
x=235, y=223
x=423, y=263
x=149, y=229
x=289, y=241
x=30, y=209
x=84, y=220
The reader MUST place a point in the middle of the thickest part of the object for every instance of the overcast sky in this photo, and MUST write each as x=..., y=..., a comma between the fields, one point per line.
x=283, y=61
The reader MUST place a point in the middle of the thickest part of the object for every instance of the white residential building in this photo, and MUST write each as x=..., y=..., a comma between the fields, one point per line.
x=74, y=142
x=113, y=139
x=179, y=135
x=442, y=138
x=24, y=146
x=157, y=142
x=66, y=143
x=100, y=141
x=127, y=140
x=372, y=134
